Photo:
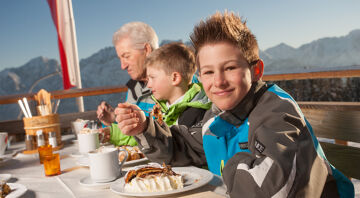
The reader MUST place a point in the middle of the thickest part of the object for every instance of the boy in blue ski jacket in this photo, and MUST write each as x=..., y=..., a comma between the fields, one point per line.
x=255, y=134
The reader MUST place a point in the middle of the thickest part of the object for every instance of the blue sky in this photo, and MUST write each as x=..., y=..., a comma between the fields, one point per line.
x=27, y=30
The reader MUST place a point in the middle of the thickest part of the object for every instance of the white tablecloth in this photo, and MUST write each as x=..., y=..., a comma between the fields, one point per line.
x=27, y=170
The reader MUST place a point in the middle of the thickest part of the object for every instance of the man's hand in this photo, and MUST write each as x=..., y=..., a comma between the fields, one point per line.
x=105, y=132
x=105, y=113
x=131, y=119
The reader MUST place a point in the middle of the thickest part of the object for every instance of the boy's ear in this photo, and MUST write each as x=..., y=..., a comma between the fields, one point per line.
x=148, y=49
x=257, y=70
x=176, y=78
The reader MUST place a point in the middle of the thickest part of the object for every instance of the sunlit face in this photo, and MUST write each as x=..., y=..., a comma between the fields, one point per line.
x=132, y=60
x=224, y=73
x=159, y=82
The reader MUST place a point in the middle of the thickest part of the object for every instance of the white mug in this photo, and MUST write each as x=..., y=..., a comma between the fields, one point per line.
x=88, y=142
x=3, y=142
x=104, y=164
x=76, y=126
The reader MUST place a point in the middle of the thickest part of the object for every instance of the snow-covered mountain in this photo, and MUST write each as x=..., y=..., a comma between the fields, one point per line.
x=325, y=52
x=100, y=69
x=103, y=69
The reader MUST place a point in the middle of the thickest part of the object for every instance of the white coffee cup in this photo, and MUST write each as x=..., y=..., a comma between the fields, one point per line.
x=104, y=164
x=88, y=142
x=3, y=142
x=76, y=126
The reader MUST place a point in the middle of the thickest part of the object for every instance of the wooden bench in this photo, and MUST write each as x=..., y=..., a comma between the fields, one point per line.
x=342, y=123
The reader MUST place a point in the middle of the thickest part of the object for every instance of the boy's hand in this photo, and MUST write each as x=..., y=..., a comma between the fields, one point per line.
x=105, y=132
x=105, y=113
x=131, y=119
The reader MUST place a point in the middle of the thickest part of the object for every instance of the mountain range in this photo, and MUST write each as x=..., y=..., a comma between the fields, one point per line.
x=325, y=52
x=103, y=69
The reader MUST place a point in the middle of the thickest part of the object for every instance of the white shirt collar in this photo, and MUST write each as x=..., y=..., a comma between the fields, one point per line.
x=176, y=101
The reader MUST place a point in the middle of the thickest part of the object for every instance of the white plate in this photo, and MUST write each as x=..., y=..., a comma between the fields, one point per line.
x=128, y=163
x=5, y=177
x=4, y=159
x=84, y=161
x=107, y=144
x=16, y=190
x=193, y=177
x=88, y=182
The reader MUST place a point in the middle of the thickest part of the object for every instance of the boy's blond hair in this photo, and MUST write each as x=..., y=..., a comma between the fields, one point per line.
x=227, y=27
x=173, y=57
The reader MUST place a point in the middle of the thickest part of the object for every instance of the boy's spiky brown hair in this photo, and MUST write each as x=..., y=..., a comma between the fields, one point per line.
x=227, y=27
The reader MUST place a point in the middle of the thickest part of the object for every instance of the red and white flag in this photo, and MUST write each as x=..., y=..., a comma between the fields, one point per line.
x=62, y=15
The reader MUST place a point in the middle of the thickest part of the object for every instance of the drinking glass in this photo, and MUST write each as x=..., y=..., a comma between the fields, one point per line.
x=45, y=150
x=52, y=164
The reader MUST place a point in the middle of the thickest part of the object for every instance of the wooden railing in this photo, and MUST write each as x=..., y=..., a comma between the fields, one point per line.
x=313, y=75
x=72, y=93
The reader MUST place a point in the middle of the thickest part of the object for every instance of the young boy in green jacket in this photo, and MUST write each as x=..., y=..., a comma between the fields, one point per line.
x=170, y=69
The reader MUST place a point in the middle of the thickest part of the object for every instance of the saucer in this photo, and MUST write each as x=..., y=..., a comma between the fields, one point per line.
x=77, y=154
x=83, y=161
x=8, y=154
x=5, y=177
x=88, y=182
x=4, y=159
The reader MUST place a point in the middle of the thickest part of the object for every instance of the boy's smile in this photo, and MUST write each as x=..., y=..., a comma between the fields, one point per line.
x=224, y=92
x=224, y=73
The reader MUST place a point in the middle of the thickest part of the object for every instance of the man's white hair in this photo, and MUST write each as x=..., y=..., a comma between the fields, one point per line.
x=139, y=34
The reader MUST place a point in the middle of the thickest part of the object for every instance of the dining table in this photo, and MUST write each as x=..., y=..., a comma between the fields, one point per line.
x=25, y=169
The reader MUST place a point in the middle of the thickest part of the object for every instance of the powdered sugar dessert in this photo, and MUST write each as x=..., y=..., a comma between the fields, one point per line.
x=152, y=178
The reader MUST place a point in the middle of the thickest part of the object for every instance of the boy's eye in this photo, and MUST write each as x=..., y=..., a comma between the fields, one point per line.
x=207, y=72
x=230, y=68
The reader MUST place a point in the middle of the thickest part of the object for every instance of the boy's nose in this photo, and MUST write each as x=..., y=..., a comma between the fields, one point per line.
x=219, y=80
x=148, y=85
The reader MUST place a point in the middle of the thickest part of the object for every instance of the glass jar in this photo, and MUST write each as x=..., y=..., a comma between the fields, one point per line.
x=40, y=138
x=29, y=142
x=52, y=139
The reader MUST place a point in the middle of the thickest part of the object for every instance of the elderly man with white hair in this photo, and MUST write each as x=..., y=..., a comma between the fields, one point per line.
x=133, y=42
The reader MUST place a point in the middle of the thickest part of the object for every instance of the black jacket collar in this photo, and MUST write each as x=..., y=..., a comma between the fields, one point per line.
x=237, y=115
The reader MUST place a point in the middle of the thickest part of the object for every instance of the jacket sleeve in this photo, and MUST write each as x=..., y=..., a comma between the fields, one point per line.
x=177, y=145
x=283, y=161
x=117, y=138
